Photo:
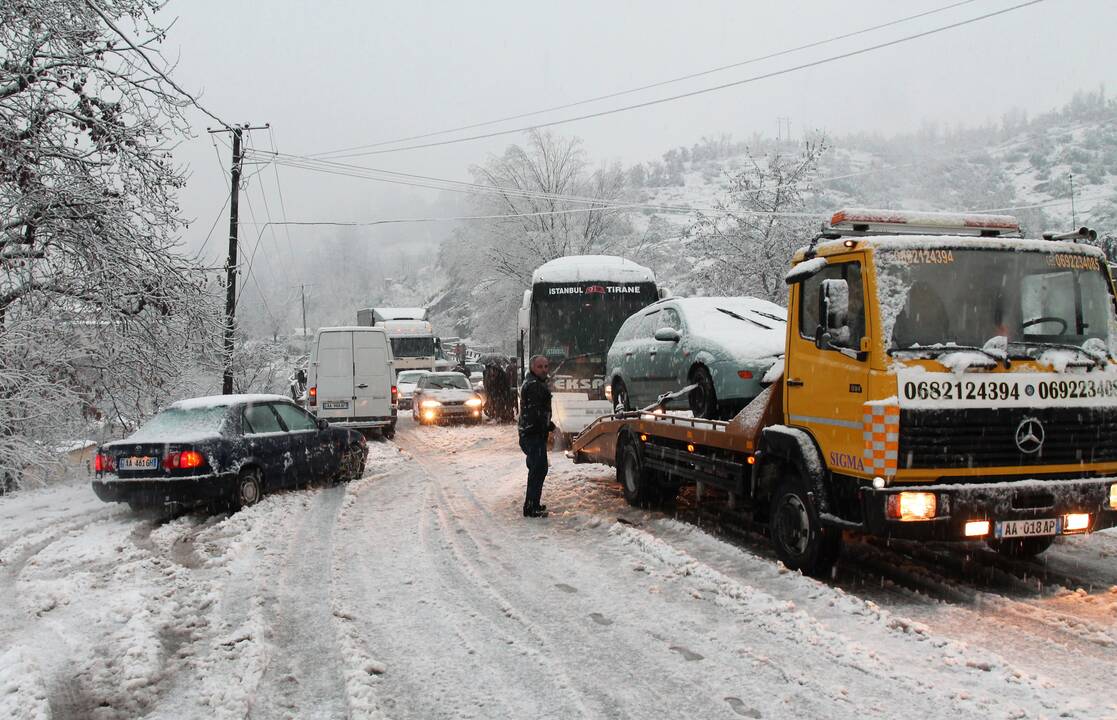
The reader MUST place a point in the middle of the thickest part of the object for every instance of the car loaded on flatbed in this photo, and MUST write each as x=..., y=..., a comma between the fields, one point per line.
x=943, y=379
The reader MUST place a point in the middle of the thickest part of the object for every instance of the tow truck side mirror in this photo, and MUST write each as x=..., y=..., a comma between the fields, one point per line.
x=833, y=312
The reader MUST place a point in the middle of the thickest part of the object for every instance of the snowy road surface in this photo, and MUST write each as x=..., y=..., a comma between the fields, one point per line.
x=419, y=591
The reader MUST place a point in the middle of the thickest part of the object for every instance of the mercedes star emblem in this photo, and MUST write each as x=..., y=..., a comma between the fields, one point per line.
x=1029, y=435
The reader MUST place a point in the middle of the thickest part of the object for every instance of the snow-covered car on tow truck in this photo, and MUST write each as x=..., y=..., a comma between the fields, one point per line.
x=225, y=450
x=722, y=345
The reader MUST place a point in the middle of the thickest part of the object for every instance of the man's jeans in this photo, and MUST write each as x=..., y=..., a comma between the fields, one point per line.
x=535, y=447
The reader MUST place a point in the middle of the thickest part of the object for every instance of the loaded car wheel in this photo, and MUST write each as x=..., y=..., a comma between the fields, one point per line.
x=703, y=399
x=249, y=488
x=637, y=482
x=352, y=463
x=800, y=539
x=621, y=401
x=1021, y=547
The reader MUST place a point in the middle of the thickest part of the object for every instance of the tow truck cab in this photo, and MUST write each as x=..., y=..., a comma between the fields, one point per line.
x=954, y=383
x=944, y=379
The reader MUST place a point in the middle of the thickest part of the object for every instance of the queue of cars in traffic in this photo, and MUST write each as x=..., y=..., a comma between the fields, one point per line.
x=229, y=450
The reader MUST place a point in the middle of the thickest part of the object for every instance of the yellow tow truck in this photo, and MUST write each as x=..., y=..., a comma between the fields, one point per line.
x=944, y=379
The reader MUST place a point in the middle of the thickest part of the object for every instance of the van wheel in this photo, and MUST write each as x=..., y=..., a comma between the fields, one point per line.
x=621, y=401
x=249, y=489
x=1021, y=547
x=800, y=539
x=636, y=481
x=389, y=432
x=703, y=399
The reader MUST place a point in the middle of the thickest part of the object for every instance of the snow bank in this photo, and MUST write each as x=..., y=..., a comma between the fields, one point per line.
x=582, y=268
x=23, y=693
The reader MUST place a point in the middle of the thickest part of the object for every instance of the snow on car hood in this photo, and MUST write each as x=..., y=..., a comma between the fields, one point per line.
x=760, y=334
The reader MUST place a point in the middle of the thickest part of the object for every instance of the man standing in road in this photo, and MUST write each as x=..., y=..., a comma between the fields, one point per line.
x=535, y=423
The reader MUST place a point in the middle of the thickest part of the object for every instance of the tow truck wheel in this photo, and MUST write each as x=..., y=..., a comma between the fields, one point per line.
x=801, y=541
x=703, y=399
x=1021, y=547
x=636, y=482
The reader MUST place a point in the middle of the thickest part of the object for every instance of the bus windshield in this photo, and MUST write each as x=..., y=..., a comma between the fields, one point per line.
x=573, y=326
x=1033, y=300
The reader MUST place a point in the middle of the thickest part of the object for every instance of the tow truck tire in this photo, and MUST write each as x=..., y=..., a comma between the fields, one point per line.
x=801, y=541
x=1021, y=547
x=703, y=399
x=636, y=482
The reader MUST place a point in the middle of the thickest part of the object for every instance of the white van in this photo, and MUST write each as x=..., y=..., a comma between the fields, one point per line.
x=351, y=381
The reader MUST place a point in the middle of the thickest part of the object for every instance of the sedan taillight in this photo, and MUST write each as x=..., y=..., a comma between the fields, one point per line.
x=184, y=460
x=103, y=462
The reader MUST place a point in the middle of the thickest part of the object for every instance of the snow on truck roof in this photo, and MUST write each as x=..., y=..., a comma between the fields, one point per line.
x=399, y=313
x=585, y=268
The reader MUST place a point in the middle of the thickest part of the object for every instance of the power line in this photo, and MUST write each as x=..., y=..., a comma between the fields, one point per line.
x=693, y=93
x=279, y=190
x=651, y=86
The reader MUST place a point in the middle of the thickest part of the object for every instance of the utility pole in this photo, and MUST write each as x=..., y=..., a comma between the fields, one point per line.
x=306, y=345
x=1073, y=216
x=231, y=263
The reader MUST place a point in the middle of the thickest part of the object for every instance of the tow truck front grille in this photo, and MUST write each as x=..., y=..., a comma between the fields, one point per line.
x=988, y=438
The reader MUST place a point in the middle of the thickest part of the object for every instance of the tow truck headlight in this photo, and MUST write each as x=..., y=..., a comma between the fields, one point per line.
x=1076, y=522
x=474, y=402
x=1113, y=496
x=430, y=404
x=909, y=506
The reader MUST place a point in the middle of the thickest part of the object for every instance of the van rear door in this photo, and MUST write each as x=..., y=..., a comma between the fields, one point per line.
x=335, y=374
x=372, y=386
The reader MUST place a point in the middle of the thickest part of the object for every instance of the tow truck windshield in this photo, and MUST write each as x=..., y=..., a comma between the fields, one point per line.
x=950, y=299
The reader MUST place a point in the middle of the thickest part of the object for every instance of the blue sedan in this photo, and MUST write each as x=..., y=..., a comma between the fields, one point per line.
x=226, y=450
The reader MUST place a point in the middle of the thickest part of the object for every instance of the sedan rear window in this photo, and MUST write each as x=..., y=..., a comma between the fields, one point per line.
x=182, y=424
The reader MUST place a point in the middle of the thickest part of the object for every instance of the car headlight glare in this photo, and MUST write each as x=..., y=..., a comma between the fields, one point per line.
x=1113, y=496
x=473, y=402
x=431, y=404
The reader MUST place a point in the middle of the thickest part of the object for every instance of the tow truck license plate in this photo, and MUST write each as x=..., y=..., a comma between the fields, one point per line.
x=1027, y=528
x=335, y=404
x=139, y=463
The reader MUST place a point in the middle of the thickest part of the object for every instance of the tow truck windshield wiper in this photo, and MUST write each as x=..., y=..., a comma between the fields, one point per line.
x=944, y=349
x=1099, y=361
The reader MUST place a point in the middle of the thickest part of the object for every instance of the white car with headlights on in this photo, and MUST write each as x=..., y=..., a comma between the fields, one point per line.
x=445, y=397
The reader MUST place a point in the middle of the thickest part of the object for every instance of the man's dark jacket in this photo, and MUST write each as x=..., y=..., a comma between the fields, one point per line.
x=535, y=407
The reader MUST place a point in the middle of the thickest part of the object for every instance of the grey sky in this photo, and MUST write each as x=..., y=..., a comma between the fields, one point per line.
x=336, y=74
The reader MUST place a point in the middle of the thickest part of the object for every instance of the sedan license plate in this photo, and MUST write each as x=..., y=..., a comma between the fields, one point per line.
x=134, y=462
x=335, y=404
x=1027, y=528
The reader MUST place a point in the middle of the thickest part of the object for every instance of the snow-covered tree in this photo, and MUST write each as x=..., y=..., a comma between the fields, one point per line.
x=98, y=310
x=746, y=245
